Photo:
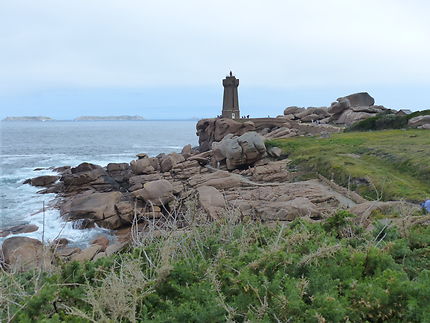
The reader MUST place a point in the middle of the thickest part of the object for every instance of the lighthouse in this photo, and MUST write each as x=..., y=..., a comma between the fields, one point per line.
x=230, y=106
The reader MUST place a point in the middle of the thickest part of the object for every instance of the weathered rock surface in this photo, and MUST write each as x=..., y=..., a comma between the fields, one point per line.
x=212, y=130
x=219, y=179
x=66, y=252
x=169, y=161
x=288, y=210
x=269, y=202
x=144, y=166
x=419, y=121
x=353, y=108
x=98, y=207
x=101, y=241
x=293, y=110
x=270, y=172
x=157, y=192
x=17, y=229
x=87, y=254
x=240, y=151
x=211, y=200
x=22, y=253
x=43, y=181
x=88, y=176
x=349, y=117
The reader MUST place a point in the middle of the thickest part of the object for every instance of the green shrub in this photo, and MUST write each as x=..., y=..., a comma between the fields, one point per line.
x=302, y=272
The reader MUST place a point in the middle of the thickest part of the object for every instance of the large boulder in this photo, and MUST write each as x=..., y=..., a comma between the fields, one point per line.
x=169, y=161
x=144, y=166
x=312, y=113
x=349, y=117
x=293, y=110
x=211, y=200
x=22, y=253
x=419, y=121
x=84, y=167
x=220, y=179
x=211, y=130
x=353, y=108
x=17, y=229
x=339, y=106
x=187, y=151
x=117, y=167
x=360, y=99
x=157, y=192
x=98, y=207
x=88, y=176
x=120, y=172
x=87, y=254
x=136, y=182
x=240, y=151
x=44, y=181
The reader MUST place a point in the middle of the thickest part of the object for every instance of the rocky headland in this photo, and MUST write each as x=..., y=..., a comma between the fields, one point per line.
x=27, y=118
x=233, y=168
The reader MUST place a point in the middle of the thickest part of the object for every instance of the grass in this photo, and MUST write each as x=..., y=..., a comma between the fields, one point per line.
x=232, y=271
x=387, y=165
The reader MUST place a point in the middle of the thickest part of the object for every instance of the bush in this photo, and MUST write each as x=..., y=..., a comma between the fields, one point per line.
x=302, y=272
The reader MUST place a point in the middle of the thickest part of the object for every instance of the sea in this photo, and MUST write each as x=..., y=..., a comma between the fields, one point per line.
x=29, y=145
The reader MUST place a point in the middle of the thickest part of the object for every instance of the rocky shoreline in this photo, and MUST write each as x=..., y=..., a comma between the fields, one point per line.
x=232, y=169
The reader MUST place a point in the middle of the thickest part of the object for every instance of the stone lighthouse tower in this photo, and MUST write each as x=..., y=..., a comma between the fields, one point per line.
x=230, y=106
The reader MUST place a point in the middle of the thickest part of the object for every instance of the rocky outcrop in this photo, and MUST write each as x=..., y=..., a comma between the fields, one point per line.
x=288, y=210
x=345, y=111
x=88, y=176
x=97, y=207
x=212, y=130
x=17, y=229
x=239, y=151
x=286, y=201
x=353, y=108
x=310, y=115
x=43, y=181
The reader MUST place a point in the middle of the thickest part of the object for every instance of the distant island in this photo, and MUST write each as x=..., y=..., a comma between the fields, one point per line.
x=108, y=118
x=39, y=118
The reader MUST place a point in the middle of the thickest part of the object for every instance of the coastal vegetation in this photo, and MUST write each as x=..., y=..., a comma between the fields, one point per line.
x=384, y=165
x=231, y=270
x=314, y=252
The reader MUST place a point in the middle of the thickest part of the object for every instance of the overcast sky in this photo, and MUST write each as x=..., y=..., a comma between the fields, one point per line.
x=166, y=59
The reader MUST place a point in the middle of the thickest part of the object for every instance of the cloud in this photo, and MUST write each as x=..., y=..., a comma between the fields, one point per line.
x=279, y=49
x=156, y=43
